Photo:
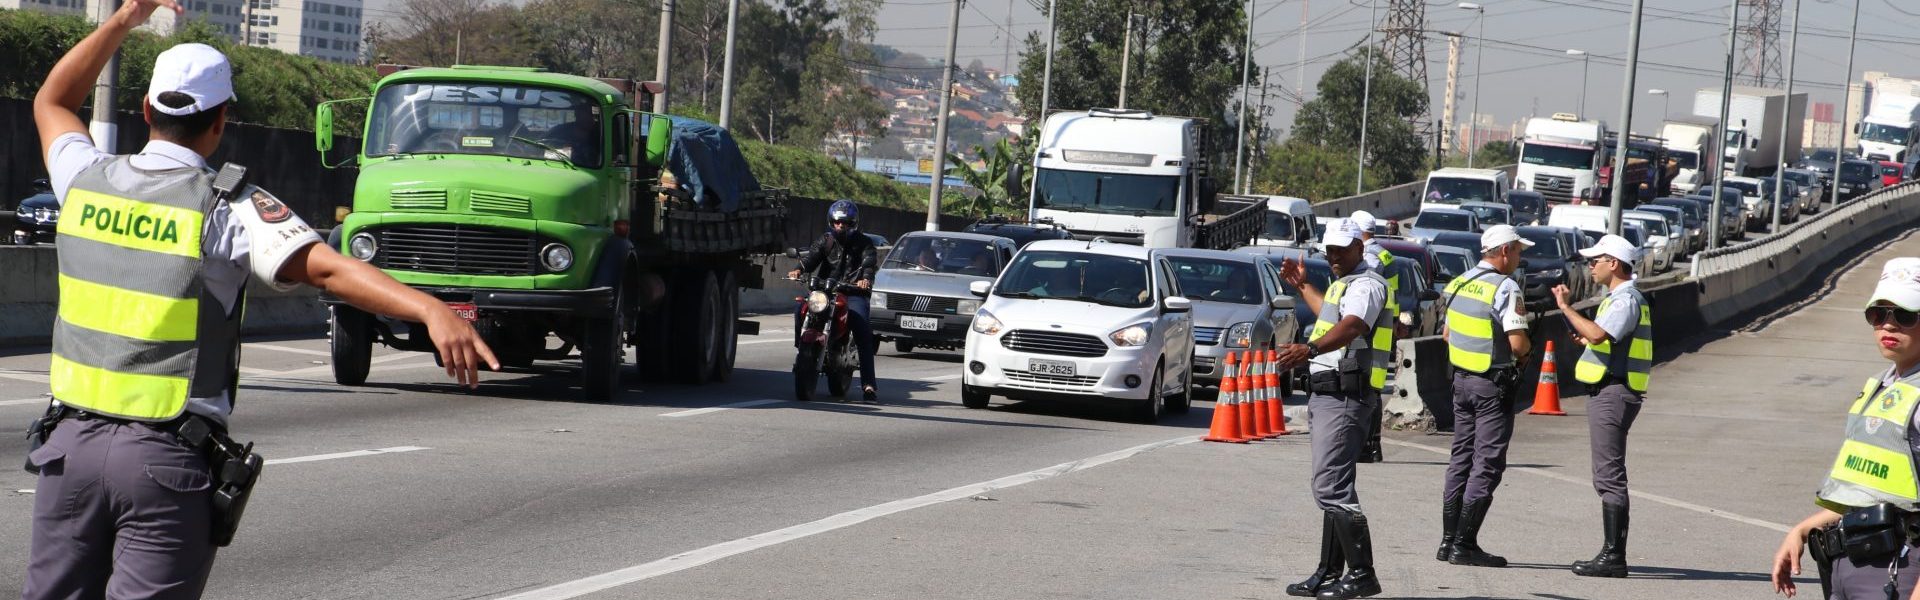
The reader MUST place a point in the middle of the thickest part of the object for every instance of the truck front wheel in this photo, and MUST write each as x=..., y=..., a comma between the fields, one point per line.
x=352, y=337
x=603, y=351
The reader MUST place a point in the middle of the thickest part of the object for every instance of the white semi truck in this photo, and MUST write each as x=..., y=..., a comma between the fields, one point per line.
x=1133, y=177
x=1687, y=142
x=1560, y=157
x=1888, y=131
x=1752, y=133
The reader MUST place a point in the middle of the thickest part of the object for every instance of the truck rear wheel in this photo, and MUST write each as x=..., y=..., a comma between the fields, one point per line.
x=603, y=351
x=695, y=327
x=729, y=315
x=352, y=344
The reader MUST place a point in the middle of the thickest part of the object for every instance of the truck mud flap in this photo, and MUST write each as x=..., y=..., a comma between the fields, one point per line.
x=745, y=327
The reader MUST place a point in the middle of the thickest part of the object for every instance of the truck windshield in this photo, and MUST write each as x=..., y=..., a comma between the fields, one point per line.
x=1216, y=280
x=1081, y=277
x=1885, y=134
x=1118, y=193
x=485, y=119
x=1684, y=159
x=1857, y=171
x=943, y=255
x=1556, y=156
x=1734, y=138
x=1448, y=190
x=1448, y=221
x=1545, y=245
x=1279, y=227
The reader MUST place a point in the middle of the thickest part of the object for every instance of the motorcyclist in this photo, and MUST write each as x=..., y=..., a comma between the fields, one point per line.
x=845, y=254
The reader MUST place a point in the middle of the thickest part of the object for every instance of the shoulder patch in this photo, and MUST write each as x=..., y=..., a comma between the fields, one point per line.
x=271, y=209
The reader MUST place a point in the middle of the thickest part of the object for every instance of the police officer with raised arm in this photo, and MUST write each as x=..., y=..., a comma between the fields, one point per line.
x=1486, y=342
x=138, y=482
x=1615, y=366
x=1869, y=497
x=1379, y=260
x=1348, y=350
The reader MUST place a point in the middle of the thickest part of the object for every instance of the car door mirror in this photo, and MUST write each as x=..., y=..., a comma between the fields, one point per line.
x=1429, y=296
x=1282, y=303
x=980, y=288
x=1524, y=264
x=1177, y=304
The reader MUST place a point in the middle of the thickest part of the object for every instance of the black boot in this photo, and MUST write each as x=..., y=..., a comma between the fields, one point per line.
x=1466, y=546
x=1449, y=523
x=1359, y=582
x=1612, y=559
x=1332, y=561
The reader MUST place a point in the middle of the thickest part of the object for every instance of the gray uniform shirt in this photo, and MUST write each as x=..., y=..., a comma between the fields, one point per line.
x=1619, y=320
x=1366, y=298
x=236, y=244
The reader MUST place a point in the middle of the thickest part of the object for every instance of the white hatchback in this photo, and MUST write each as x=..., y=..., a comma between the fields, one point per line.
x=1086, y=322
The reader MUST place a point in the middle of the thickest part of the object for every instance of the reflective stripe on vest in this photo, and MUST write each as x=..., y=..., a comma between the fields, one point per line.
x=1876, y=461
x=1595, y=363
x=1473, y=332
x=1393, y=283
x=133, y=311
x=1375, y=350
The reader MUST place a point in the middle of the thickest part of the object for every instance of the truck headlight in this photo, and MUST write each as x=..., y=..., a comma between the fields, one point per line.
x=362, y=246
x=966, y=307
x=879, y=298
x=816, y=302
x=556, y=257
x=1132, y=335
x=1240, y=335
x=984, y=323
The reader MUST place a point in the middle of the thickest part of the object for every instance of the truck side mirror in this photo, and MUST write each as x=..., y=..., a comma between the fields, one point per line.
x=659, y=132
x=1015, y=173
x=323, y=129
x=622, y=140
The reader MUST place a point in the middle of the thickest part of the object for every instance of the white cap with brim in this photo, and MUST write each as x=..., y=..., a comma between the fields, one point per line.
x=1363, y=220
x=1899, y=284
x=1614, y=246
x=197, y=70
x=1501, y=235
x=1341, y=233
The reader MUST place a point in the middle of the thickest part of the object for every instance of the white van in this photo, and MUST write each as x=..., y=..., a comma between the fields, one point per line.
x=1448, y=187
x=1290, y=223
x=1577, y=216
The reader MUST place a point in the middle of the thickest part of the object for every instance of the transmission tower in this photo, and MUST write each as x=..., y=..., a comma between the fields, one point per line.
x=1760, y=42
x=1406, y=48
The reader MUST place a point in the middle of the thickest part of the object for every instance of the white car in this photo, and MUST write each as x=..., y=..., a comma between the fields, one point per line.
x=1082, y=321
x=1662, y=247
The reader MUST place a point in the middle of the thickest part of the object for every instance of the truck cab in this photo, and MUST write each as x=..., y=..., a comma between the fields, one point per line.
x=1132, y=177
x=1448, y=187
x=1289, y=223
x=1560, y=157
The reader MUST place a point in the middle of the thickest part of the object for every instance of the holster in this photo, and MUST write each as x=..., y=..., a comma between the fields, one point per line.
x=1824, y=546
x=235, y=470
x=40, y=429
x=1874, y=532
x=1350, y=377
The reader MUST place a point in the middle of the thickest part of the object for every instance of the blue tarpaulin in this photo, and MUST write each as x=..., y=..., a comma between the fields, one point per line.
x=708, y=164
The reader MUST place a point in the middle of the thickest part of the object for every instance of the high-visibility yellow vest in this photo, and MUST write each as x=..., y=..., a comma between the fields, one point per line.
x=1876, y=461
x=1374, y=350
x=137, y=333
x=1597, y=361
x=1475, y=340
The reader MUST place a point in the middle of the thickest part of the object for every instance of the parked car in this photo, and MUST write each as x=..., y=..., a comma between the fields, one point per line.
x=1889, y=173
x=1732, y=218
x=1790, y=204
x=36, y=215
x=1554, y=259
x=1469, y=242
x=1858, y=178
x=1312, y=258
x=1693, y=215
x=1676, y=226
x=1443, y=219
x=1084, y=322
x=1238, y=305
x=1022, y=233
x=1658, y=245
x=1454, y=261
x=921, y=295
x=1815, y=190
x=1529, y=207
x=1419, y=298
x=1756, y=209
x=1489, y=214
x=1820, y=162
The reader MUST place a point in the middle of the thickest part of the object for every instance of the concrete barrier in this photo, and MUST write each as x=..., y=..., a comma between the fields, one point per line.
x=32, y=299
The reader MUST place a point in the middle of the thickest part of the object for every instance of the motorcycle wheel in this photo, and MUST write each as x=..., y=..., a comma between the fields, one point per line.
x=806, y=369
x=840, y=373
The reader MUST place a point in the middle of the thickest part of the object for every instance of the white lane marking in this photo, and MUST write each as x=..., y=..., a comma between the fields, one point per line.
x=715, y=409
x=1673, y=502
x=290, y=349
x=43, y=400
x=328, y=368
x=944, y=377
x=688, y=560
x=353, y=454
x=752, y=342
x=23, y=376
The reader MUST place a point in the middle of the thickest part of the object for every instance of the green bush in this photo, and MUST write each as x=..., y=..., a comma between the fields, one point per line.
x=813, y=174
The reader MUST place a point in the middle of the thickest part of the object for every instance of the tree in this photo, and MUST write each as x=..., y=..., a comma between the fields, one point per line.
x=1331, y=121
x=990, y=179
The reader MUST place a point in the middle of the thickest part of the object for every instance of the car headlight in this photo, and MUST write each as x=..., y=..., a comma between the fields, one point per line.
x=1551, y=274
x=817, y=302
x=965, y=307
x=985, y=324
x=879, y=298
x=1240, y=335
x=556, y=257
x=1132, y=335
x=362, y=246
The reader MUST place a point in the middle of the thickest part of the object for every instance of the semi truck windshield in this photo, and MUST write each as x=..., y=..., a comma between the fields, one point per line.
x=1118, y=193
x=1885, y=134
x=487, y=119
x=1557, y=156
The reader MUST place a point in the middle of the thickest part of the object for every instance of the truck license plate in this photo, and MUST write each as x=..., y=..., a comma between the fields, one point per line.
x=919, y=323
x=1057, y=368
x=465, y=310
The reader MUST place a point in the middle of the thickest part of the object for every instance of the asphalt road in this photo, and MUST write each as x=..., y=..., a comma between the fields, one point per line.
x=410, y=488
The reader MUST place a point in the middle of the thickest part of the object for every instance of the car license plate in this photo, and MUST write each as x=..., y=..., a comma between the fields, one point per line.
x=465, y=310
x=1058, y=368
x=919, y=323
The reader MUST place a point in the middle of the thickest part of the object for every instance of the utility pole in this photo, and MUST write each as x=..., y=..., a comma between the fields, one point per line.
x=665, y=52
x=1720, y=146
x=940, y=129
x=1846, y=97
x=1246, y=73
x=1626, y=118
x=1779, y=173
x=106, y=134
x=1300, y=63
x=1126, y=60
x=1260, y=136
x=1479, y=55
x=1585, y=59
x=1006, y=58
x=1366, y=97
x=1046, y=76
x=726, y=68
x=1453, y=81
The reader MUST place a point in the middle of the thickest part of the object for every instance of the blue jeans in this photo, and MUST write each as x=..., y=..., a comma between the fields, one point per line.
x=862, y=325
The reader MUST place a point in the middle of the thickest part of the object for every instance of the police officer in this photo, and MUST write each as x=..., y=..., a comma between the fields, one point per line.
x=845, y=254
x=1486, y=342
x=1348, y=350
x=1616, y=364
x=1876, y=462
x=1379, y=260
x=153, y=269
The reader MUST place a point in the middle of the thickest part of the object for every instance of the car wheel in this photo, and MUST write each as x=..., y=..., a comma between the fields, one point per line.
x=1182, y=401
x=1149, y=410
x=903, y=346
x=973, y=397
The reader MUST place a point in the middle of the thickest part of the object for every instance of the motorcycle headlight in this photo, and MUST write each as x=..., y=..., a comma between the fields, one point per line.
x=984, y=323
x=1133, y=335
x=967, y=307
x=879, y=298
x=556, y=257
x=1240, y=335
x=362, y=246
x=817, y=302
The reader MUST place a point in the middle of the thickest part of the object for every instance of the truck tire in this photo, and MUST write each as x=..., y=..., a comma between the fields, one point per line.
x=695, y=327
x=729, y=317
x=603, y=351
x=352, y=344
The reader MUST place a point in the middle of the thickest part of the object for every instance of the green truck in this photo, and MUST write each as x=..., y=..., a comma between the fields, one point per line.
x=558, y=217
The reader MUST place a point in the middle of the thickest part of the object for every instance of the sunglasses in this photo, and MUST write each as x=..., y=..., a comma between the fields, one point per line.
x=1879, y=316
x=846, y=222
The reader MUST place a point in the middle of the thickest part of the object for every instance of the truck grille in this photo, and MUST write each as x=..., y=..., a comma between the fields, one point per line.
x=1048, y=342
x=1079, y=381
x=1207, y=336
x=498, y=203
x=418, y=199
x=1554, y=188
x=923, y=304
x=457, y=249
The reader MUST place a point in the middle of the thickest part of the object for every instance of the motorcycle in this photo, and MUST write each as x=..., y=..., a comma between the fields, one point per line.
x=824, y=343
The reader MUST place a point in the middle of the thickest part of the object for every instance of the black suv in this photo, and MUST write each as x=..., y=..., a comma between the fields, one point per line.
x=1857, y=178
x=1021, y=233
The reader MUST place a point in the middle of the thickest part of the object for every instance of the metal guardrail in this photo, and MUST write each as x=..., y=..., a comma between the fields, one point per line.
x=1844, y=221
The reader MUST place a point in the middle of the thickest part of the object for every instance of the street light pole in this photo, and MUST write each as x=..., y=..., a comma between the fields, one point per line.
x=1246, y=73
x=1720, y=145
x=940, y=129
x=1366, y=97
x=726, y=68
x=1626, y=119
x=1846, y=97
x=1780, y=165
x=1584, y=59
x=1479, y=53
x=1046, y=75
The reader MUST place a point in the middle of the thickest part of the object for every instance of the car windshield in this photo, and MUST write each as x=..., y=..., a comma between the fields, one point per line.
x=1115, y=193
x=1655, y=227
x=1449, y=190
x=1564, y=157
x=1523, y=203
x=1856, y=171
x=1279, y=226
x=1800, y=177
x=1822, y=156
x=485, y=119
x=1078, y=276
x=1636, y=235
x=1489, y=214
x=1545, y=245
x=943, y=255
x=1216, y=280
x=1747, y=188
x=1447, y=221
x=1684, y=159
x=1452, y=265
x=1885, y=134
x=1889, y=170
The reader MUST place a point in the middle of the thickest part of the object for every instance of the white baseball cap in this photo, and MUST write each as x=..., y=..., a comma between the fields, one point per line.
x=1614, y=246
x=197, y=70
x=1501, y=235
x=1364, y=220
x=1341, y=233
x=1899, y=284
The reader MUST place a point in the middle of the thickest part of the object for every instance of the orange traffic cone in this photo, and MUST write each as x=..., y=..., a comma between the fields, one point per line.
x=1245, y=385
x=1257, y=397
x=1226, y=416
x=1546, y=398
x=1276, y=406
